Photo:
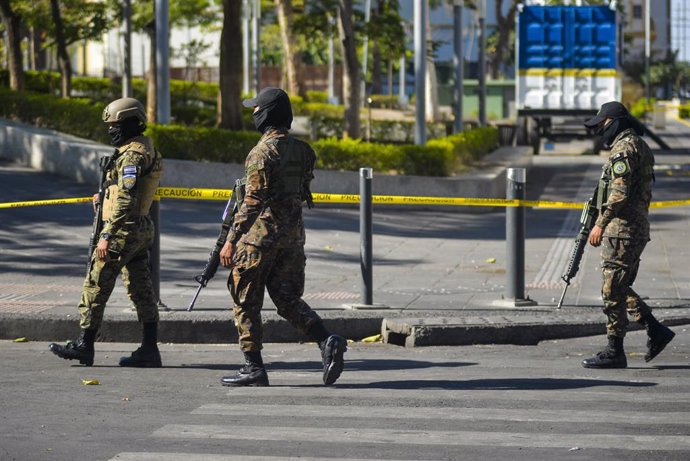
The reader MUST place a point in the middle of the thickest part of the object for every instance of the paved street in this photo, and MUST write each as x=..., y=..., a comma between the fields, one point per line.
x=391, y=403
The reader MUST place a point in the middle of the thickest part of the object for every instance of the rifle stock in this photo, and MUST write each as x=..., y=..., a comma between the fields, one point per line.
x=214, y=258
x=97, y=225
x=587, y=219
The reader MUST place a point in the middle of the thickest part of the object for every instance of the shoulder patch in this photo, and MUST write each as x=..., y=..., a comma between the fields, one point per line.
x=129, y=169
x=620, y=168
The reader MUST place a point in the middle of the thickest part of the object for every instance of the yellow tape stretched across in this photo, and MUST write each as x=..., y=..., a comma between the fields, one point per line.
x=181, y=193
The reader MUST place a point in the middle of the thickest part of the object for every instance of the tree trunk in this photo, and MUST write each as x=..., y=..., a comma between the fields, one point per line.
x=504, y=26
x=290, y=57
x=351, y=75
x=63, y=58
x=152, y=77
x=229, y=113
x=376, y=71
x=432, y=110
x=376, y=61
x=12, y=24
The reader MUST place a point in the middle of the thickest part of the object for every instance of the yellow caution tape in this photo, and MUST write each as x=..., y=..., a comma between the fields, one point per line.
x=194, y=194
x=372, y=339
x=225, y=194
x=60, y=201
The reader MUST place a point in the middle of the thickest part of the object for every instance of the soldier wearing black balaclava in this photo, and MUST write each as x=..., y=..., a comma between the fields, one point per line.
x=265, y=245
x=622, y=230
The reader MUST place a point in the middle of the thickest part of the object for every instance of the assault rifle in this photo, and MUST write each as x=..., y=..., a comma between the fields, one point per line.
x=587, y=219
x=97, y=226
x=214, y=258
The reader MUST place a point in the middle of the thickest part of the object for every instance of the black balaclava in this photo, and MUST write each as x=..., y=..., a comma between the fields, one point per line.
x=122, y=132
x=617, y=126
x=275, y=114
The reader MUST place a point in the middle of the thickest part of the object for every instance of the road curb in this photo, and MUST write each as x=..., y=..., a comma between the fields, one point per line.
x=182, y=328
x=462, y=332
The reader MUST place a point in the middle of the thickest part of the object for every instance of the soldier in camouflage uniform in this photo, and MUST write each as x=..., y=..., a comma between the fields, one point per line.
x=622, y=229
x=265, y=245
x=132, y=177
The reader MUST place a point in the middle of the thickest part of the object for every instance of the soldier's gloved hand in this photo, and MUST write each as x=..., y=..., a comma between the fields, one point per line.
x=595, y=236
x=95, y=201
x=226, y=254
x=102, y=250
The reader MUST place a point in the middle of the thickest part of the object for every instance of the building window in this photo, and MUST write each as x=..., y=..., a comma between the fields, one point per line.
x=637, y=11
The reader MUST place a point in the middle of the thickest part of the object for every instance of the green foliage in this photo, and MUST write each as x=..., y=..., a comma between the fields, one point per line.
x=384, y=101
x=79, y=117
x=202, y=143
x=317, y=96
x=641, y=108
x=440, y=157
x=684, y=111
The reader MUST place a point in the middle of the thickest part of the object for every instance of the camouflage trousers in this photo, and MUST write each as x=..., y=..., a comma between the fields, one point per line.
x=129, y=255
x=281, y=272
x=620, y=262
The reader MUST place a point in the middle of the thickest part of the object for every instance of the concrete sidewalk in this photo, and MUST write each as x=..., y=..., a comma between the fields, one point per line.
x=441, y=273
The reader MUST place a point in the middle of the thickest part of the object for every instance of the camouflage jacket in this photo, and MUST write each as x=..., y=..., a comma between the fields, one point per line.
x=263, y=220
x=628, y=175
x=131, y=183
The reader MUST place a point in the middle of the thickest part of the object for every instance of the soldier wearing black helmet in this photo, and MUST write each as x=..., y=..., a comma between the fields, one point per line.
x=265, y=245
x=622, y=230
x=132, y=177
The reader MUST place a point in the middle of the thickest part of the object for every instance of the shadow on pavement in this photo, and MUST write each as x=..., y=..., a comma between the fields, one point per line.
x=520, y=384
x=350, y=365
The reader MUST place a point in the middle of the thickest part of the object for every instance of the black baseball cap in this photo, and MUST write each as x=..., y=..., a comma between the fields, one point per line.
x=612, y=109
x=266, y=97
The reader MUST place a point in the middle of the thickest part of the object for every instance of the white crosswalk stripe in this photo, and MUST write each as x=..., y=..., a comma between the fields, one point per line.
x=443, y=425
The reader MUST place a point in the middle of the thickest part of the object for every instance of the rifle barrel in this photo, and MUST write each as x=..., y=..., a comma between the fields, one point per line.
x=560, y=301
x=196, y=295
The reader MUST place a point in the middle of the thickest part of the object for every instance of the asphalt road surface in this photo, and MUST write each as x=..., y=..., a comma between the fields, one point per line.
x=391, y=403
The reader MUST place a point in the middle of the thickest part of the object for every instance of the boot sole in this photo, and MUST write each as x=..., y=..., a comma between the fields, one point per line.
x=244, y=385
x=335, y=369
x=86, y=362
x=622, y=365
x=650, y=356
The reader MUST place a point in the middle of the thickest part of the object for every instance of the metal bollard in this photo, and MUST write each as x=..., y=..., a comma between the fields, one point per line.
x=365, y=235
x=515, y=238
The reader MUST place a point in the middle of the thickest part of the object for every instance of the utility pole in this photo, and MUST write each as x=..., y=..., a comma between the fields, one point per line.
x=647, y=49
x=127, y=74
x=246, y=15
x=482, y=63
x=162, y=63
x=420, y=71
x=458, y=63
x=331, y=61
x=256, y=39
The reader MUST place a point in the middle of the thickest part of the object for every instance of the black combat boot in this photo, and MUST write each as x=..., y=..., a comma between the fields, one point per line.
x=252, y=373
x=658, y=336
x=81, y=350
x=613, y=356
x=147, y=355
x=332, y=351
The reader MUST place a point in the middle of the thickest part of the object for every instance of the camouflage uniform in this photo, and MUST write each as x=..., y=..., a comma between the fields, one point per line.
x=268, y=231
x=625, y=191
x=132, y=180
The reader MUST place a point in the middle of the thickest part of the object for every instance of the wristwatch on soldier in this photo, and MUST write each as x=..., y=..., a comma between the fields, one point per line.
x=105, y=236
